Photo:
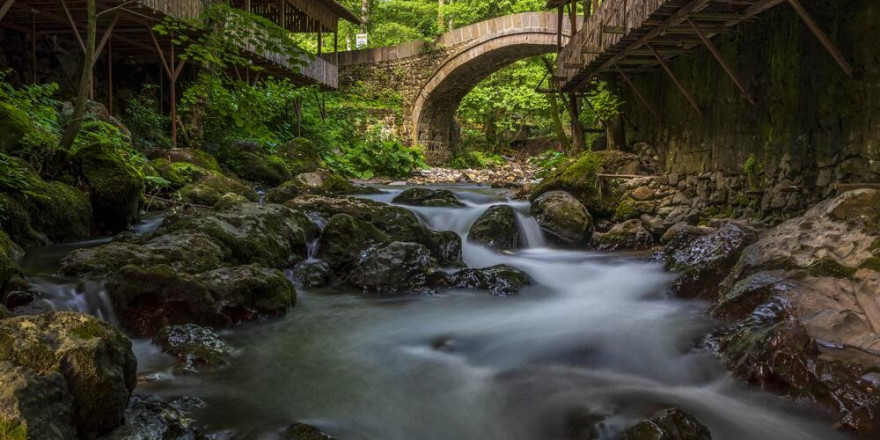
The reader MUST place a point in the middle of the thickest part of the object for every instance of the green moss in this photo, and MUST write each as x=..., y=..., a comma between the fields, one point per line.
x=827, y=267
x=12, y=430
x=15, y=124
x=872, y=264
x=256, y=167
x=210, y=189
x=115, y=184
x=301, y=156
x=9, y=254
x=579, y=178
x=90, y=329
x=625, y=210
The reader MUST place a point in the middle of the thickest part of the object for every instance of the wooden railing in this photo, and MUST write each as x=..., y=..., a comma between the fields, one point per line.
x=611, y=22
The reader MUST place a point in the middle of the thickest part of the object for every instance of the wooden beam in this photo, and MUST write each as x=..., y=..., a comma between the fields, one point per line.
x=70, y=20
x=5, y=8
x=727, y=67
x=637, y=93
x=560, y=18
x=823, y=37
x=674, y=79
x=106, y=37
x=677, y=17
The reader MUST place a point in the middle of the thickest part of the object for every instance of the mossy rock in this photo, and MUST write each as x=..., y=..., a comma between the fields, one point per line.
x=93, y=358
x=190, y=156
x=244, y=290
x=258, y=167
x=667, y=425
x=301, y=156
x=10, y=253
x=15, y=124
x=563, y=218
x=61, y=212
x=427, y=197
x=345, y=238
x=210, y=189
x=179, y=174
x=497, y=228
x=396, y=268
x=16, y=221
x=115, y=184
x=500, y=280
x=318, y=183
x=580, y=179
x=196, y=348
x=35, y=405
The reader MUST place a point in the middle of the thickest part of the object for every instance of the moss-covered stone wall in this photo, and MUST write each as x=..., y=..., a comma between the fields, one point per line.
x=811, y=121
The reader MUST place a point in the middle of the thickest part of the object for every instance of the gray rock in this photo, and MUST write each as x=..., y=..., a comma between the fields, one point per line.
x=397, y=268
x=497, y=228
x=563, y=218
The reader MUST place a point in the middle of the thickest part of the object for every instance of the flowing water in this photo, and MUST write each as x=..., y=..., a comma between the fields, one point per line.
x=597, y=333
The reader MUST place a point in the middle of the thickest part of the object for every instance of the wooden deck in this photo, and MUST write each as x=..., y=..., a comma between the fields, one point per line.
x=632, y=36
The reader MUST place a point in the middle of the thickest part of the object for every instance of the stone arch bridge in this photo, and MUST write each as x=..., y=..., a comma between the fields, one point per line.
x=433, y=78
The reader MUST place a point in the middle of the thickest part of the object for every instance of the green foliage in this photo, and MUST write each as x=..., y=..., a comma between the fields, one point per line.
x=476, y=160
x=149, y=128
x=749, y=164
x=14, y=176
x=605, y=104
x=548, y=161
x=215, y=39
x=38, y=103
x=375, y=157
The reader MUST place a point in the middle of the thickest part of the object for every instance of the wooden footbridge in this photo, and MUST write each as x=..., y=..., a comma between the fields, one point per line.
x=627, y=37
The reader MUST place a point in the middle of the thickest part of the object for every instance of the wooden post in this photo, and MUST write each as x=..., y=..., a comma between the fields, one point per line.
x=282, y=16
x=560, y=19
x=173, y=75
x=320, y=39
x=5, y=8
x=637, y=93
x=110, y=76
x=336, y=46
x=678, y=84
x=823, y=37
x=573, y=11
x=33, y=43
x=727, y=68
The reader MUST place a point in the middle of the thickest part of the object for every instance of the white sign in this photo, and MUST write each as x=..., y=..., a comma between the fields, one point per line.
x=361, y=41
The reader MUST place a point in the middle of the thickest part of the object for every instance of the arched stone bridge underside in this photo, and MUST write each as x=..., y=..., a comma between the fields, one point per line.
x=433, y=81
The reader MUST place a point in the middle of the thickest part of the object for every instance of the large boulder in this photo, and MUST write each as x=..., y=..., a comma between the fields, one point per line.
x=149, y=299
x=150, y=417
x=311, y=273
x=319, y=183
x=184, y=251
x=804, y=298
x=445, y=246
x=187, y=156
x=301, y=156
x=629, y=235
x=563, y=218
x=345, y=239
x=115, y=184
x=497, y=228
x=501, y=280
x=427, y=197
x=15, y=124
x=580, y=179
x=270, y=235
x=706, y=260
x=259, y=167
x=301, y=431
x=670, y=424
x=209, y=188
x=63, y=372
x=397, y=268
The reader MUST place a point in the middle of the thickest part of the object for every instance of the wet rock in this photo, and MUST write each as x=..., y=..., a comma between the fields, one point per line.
x=4, y=312
x=34, y=404
x=208, y=189
x=192, y=156
x=150, y=417
x=10, y=253
x=446, y=248
x=148, y=299
x=345, y=239
x=312, y=273
x=196, y=348
x=301, y=431
x=563, y=217
x=301, y=156
x=316, y=183
x=115, y=185
x=183, y=251
x=397, y=268
x=74, y=372
x=270, y=235
x=805, y=297
x=497, y=228
x=229, y=201
x=629, y=235
x=501, y=280
x=579, y=178
x=427, y=197
x=18, y=298
x=670, y=424
x=706, y=261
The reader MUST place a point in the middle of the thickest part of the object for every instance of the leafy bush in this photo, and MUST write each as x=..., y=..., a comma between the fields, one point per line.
x=38, y=103
x=548, y=161
x=476, y=160
x=149, y=128
x=365, y=160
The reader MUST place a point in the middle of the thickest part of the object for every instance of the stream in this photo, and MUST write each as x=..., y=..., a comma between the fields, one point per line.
x=597, y=334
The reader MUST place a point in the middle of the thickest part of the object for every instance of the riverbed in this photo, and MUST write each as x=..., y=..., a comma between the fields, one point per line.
x=597, y=337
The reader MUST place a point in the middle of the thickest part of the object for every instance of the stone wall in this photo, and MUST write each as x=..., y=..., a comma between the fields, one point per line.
x=812, y=126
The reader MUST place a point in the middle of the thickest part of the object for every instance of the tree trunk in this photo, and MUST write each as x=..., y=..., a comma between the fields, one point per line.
x=85, y=81
x=365, y=15
x=578, y=138
x=557, y=122
x=441, y=22
x=614, y=130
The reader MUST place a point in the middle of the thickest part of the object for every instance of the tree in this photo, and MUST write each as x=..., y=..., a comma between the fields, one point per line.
x=85, y=81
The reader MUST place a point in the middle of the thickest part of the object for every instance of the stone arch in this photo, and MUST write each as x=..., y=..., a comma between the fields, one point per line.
x=433, y=111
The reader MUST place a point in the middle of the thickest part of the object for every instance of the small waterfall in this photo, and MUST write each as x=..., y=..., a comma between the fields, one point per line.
x=530, y=231
x=72, y=295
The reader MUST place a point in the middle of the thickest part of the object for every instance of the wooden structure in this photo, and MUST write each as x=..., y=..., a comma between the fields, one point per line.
x=125, y=28
x=628, y=37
